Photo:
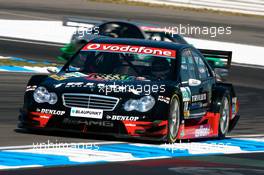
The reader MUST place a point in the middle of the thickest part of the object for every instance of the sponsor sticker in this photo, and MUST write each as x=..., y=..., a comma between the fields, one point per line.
x=57, y=77
x=186, y=114
x=130, y=49
x=98, y=77
x=86, y=113
x=50, y=111
x=196, y=105
x=199, y=97
x=164, y=99
x=186, y=93
x=74, y=84
x=186, y=111
x=202, y=131
x=122, y=118
x=58, y=85
x=79, y=85
x=67, y=75
x=31, y=88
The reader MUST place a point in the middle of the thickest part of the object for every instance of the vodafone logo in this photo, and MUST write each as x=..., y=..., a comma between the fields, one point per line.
x=130, y=49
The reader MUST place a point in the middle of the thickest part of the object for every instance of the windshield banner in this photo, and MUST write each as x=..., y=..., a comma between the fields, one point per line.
x=130, y=49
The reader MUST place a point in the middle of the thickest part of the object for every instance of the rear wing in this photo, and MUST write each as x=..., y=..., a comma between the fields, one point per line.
x=84, y=22
x=217, y=58
x=81, y=22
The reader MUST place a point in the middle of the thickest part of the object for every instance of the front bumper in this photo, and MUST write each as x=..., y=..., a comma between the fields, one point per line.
x=156, y=129
x=206, y=127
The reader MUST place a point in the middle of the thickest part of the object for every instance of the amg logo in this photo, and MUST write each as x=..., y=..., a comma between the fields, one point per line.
x=88, y=122
x=100, y=123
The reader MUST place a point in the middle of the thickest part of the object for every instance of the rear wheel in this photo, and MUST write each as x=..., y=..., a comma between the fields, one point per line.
x=224, y=117
x=174, y=119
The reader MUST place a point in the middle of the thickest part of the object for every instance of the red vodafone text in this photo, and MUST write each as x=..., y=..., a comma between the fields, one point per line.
x=130, y=49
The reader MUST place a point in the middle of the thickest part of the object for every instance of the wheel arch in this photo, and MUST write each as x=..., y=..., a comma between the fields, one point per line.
x=175, y=94
x=36, y=79
x=218, y=93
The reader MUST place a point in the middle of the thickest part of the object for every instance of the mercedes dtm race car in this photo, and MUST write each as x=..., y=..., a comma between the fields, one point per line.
x=87, y=30
x=131, y=87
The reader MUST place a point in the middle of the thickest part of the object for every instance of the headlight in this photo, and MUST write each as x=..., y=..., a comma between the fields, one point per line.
x=131, y=105
x=144, y=104
x=41, y=95
x=53, y=98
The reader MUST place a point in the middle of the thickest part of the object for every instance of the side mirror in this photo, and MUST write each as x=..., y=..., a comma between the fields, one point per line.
x=52, y=70
x=221, y=72
x=194, y=82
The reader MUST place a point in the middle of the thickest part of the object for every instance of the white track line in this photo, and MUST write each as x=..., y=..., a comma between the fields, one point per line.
x=246, y=136
x=80, y=143
x=23, y=15
x=4, y=58
x=250, y=136
x=17, y=167
x=248, y=66
x=31, y=42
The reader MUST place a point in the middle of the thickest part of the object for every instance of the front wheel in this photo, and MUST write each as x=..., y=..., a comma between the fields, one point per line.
x=173, y=119
x=224, y=117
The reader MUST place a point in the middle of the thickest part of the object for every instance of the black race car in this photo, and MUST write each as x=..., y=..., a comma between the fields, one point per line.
x=132, y=87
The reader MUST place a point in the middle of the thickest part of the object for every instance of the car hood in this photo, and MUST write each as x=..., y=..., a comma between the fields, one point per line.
x=103, y=84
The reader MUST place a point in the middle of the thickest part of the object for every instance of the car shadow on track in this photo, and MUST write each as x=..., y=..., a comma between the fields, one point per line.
x=100, y=137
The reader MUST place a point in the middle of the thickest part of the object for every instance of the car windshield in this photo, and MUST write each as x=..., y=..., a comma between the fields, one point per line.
x=163, y=36
x=147, y=62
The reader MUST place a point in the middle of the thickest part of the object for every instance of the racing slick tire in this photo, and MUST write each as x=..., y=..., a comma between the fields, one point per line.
x=224, y=117
x=173, y=119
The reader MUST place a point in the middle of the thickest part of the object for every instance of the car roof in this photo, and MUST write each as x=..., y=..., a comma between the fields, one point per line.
x=141, y=42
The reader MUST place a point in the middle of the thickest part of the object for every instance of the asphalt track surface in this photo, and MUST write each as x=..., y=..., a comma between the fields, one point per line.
x=248, y=83
x=217, y=165
x=249, y=86
x=245, y=30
